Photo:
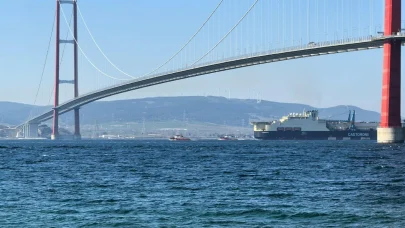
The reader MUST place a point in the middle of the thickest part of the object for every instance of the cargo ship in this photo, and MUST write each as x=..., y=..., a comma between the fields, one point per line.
x=308, y=126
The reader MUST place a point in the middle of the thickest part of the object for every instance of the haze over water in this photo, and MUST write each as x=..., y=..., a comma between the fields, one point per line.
x=201, y=184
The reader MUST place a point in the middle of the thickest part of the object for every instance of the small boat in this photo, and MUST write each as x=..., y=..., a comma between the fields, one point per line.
x=227, y=137
x=179, y=138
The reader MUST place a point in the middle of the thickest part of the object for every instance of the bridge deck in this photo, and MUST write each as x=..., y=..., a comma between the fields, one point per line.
x=340, y=46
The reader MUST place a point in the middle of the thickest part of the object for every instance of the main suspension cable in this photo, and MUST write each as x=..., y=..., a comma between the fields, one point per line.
x=46, y=60
x=98, y=47
x=188, y=42
x=226, y=35
x=84, y=54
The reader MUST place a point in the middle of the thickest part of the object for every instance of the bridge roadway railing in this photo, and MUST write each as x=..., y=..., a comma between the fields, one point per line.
x=273, y=55
x=277, y=51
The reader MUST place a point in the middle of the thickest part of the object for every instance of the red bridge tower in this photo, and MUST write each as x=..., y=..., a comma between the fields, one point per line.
x=390, y=130
x=75, y=82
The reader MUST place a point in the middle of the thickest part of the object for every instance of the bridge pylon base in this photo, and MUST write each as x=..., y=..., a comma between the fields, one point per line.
x=77, y=137
x=54, y=137
x=390, y=135
x=31, y=131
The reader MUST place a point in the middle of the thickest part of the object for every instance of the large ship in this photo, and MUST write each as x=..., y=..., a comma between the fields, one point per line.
x=308, y=126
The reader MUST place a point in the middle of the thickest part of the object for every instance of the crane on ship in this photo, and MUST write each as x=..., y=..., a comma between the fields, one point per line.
x=352, y=120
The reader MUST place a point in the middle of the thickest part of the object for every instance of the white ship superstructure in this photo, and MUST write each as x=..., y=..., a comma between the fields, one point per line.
x=306, y=121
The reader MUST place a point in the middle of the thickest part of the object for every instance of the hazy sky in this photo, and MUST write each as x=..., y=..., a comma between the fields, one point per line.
x=139, y=35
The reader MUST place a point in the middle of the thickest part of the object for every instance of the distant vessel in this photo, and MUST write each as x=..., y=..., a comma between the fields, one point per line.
x=227, y=137
x=308, y=126
x=179, y=138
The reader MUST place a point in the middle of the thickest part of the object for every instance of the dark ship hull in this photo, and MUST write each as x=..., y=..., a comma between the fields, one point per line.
x=317, y=135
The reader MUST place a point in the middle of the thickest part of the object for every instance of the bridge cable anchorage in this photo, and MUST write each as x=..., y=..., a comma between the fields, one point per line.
x=98, y=47
x=188, y=42
x=84, y=54
x=226, y=35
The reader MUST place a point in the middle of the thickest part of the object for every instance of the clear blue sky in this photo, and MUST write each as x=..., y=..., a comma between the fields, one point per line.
x=140, y=35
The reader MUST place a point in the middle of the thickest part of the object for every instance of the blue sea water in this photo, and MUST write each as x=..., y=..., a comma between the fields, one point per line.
x=201, y=184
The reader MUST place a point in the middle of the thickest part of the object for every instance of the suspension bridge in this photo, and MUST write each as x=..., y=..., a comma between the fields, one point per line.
x=256, y=32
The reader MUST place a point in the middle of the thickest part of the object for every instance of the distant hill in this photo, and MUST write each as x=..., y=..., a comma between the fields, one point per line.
x=218, y=110
x=15, y=113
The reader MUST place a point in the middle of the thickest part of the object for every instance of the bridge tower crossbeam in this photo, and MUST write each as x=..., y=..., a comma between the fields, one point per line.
x=55, y=127
x=390, y=130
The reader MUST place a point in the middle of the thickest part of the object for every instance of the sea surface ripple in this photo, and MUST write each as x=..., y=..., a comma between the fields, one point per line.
x=201, y=184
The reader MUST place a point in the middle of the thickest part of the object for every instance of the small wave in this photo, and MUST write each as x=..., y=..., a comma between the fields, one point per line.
x=226, y=222
x=69, y=200
x=102, y=185
x=384, y=167
x=61, y=211
x=67, y=147
x=101, y=201
x=255, y=211
x=31, y=162
x=279, y=195
x=186, y=188
x=247, y=175
x=122, y=211
x=397, y=180
x=10, y=147
x=308, y=215
x=52, y=190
